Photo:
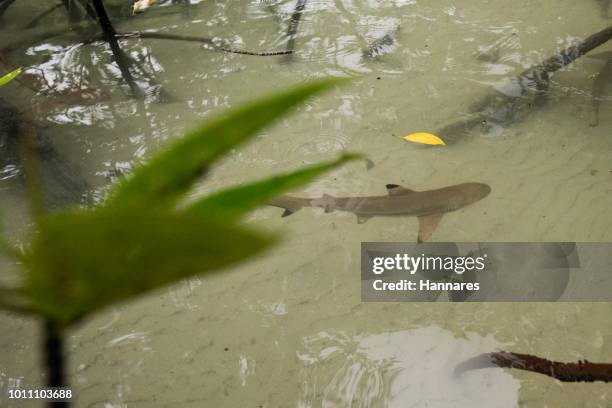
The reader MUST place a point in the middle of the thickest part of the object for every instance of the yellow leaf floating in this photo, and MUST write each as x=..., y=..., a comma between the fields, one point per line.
x=425, y=138
x=141, y=5
x=9, y=77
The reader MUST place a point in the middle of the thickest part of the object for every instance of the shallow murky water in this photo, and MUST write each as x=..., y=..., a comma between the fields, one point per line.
x=289, y=330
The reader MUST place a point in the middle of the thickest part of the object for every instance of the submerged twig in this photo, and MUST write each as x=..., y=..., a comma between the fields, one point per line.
x=73, y=12
x=582, y=371
x=110, y=35
x=571, y=54
x=88, y=9
x=38, y=36
x=4, y=5
x=534, y=80
x=62, y=185
x=31, y=163
x=201, y=40
x=599, y=87
x=42, y=15
x=294, y=23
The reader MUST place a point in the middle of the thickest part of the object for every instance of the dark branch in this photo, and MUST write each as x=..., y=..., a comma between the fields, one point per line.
x=582, y=371
x=73, y=12
x=110, y=35
x=42, y=15
x=200, y=40
x=88, y=9
x=4, y=6
x=293, y=26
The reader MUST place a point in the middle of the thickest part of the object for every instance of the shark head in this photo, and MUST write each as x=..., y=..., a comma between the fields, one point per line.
x=465, y=194
x=473, y=192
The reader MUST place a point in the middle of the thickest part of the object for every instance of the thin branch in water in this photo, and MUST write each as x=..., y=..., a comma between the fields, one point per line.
x=110, y=35
x=201, y=40
x=88, y=9
x=572, y=53
x=123, y=61
x=293, y=26
x=42, y=15
x=186, y=4
x=36, y=37
x=31, y=164
x=4, y=6
x=73, y=12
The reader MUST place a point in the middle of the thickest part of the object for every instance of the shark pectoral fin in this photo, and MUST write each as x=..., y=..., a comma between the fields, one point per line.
x=361, y=219
x=287, y=213
x=427, y=225
x=396, y=189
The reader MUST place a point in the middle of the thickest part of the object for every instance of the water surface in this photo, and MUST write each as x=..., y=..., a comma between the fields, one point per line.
x=289, y=330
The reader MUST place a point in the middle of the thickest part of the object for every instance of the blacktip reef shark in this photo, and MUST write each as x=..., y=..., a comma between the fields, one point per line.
x=429, y=206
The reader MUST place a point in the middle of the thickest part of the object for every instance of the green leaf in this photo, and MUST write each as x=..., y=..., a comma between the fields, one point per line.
x=9, y=77
x=169, y=174
x=83, y=261
x=234, y=202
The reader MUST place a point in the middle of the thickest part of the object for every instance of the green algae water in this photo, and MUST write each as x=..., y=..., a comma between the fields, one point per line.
x=289, y=329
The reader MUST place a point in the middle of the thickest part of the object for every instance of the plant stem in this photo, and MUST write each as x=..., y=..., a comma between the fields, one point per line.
x=55, y=359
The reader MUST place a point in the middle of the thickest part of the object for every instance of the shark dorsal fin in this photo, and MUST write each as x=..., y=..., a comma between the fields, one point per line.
x=396, y=189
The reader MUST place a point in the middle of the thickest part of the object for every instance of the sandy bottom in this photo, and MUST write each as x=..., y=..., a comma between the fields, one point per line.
x=289, y=329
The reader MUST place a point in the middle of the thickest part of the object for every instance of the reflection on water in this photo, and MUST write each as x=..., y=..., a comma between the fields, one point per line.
x=409, y=368
x=416, y=66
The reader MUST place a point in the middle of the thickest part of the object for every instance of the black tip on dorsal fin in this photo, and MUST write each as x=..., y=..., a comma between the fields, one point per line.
x=396, y=189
